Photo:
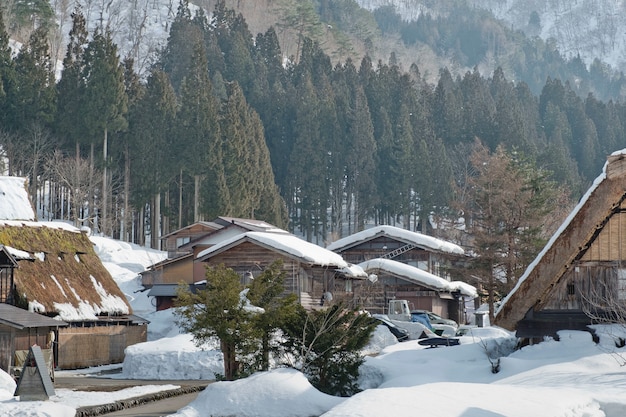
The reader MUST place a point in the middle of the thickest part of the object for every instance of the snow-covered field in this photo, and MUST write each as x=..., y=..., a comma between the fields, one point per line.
x=571, y=378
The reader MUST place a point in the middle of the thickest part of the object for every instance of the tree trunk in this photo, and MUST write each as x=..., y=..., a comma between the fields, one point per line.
x=104, y=208
x=230, y=362
x=196, y=198
x=155, y=221
x=125, y=226
x=77, y=214
x=180, y=200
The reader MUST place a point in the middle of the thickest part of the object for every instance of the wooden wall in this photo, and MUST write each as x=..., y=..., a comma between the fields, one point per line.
x=299, y=277
x=82, y=347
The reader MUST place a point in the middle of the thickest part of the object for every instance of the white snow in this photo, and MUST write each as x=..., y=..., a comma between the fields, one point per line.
x=15, y=203
x=290, y=244
x=407, y=236
x=573, y=377
x=417, y=275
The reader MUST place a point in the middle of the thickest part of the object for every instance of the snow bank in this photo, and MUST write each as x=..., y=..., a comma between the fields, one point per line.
x=172, y=358
x=277, y=393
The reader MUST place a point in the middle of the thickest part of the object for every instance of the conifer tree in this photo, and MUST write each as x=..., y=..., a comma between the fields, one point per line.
x=177, y=55
x=246, y=163
x=154, y=162
x=199, y=147
x=33, y=96
x=104, y=104
x=68, y=120
x=7, y=72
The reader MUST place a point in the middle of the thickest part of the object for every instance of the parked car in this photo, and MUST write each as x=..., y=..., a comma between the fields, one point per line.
x=400, y=333
x=432, y=318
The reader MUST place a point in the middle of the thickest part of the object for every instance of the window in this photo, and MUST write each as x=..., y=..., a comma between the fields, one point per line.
x=621, y=284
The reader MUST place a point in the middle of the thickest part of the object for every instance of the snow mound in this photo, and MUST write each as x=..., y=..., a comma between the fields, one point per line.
x=174, y=358
x=277, y=393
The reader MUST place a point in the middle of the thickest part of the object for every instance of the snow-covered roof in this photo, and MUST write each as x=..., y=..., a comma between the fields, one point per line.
x=17, y=254
x=286, y=243
x=51, y=225
x=418, y=276
x=417, y=239
x=14, y=204
x=561, y=229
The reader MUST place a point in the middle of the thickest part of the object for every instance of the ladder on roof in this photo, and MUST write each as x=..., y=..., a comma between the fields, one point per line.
x=399, y=251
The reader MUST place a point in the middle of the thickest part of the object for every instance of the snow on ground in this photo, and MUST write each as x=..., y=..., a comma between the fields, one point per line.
x=573, y=377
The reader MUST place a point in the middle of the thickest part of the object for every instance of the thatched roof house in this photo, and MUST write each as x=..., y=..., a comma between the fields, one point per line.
x=51, y=268
x=581, y=272
x=59, y=272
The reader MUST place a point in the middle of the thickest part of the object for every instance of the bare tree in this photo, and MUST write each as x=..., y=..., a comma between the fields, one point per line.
x=72, y=174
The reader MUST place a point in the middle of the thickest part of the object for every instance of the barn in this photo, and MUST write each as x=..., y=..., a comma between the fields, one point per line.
x=579, y=278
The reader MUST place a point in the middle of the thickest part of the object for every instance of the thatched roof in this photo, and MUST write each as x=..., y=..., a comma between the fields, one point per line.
x=605, y=198
x=64, y=275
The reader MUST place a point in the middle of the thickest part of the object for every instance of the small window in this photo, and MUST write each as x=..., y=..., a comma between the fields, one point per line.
x=571, y=289
x=348, y=285
x=621, y=284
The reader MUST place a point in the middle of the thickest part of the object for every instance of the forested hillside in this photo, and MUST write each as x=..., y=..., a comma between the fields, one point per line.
x=223, y=124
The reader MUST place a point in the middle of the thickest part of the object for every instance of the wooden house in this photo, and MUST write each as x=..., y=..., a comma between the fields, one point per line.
x=579, y=278
x=58, y=274
x=425, y=253
x=167, y=274
x=51, y=268
x=423, y=290
x=311, y=271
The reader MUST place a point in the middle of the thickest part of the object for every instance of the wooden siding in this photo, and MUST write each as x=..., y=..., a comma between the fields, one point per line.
x=299, y=277
x=175, y=272
x=610, y=244
x=82, y=347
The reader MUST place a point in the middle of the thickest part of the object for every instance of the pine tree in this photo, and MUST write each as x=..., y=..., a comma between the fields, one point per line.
x=33, y=96
x=68, y=120
x=246, y=161
x=218, y=312
x=7, y=72
x=104, y=103
x=199, y=148
x=176, y=58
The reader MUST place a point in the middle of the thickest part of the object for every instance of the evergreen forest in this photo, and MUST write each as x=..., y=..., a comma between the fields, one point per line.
x=224, y=125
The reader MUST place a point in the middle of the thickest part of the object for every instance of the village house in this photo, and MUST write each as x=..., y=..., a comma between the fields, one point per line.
x=419, y=272
x=184, y=245
x=314, y=274
x=54, y=271
x=579, y=278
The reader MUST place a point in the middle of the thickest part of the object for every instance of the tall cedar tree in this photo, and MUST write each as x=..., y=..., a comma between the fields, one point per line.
x=104, y=104
x=176, y=58
x=69, y=116
x=7, y=73
x=33, y=96
x=152, y=127
x=247, y=165
x=199, y=147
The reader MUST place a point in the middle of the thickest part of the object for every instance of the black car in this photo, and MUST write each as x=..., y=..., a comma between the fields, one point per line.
x=400, y=333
